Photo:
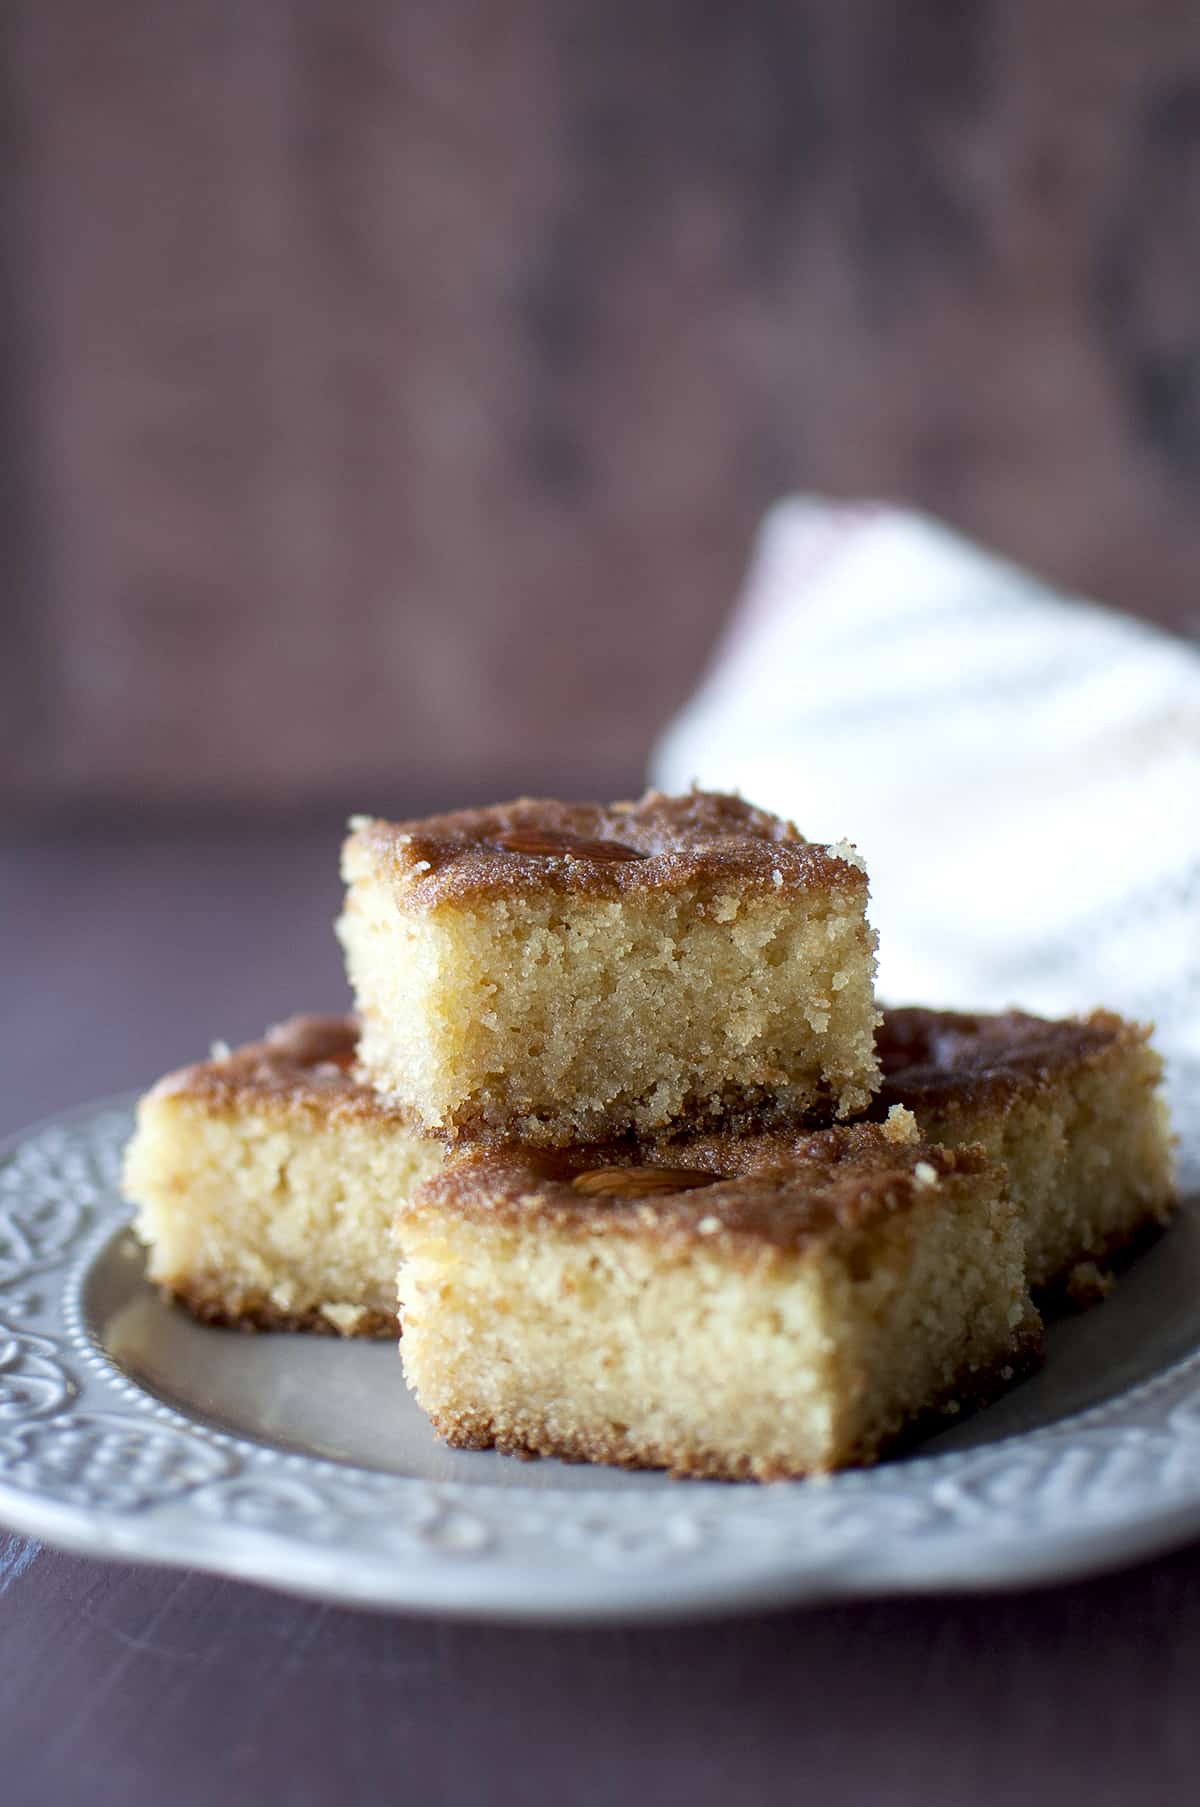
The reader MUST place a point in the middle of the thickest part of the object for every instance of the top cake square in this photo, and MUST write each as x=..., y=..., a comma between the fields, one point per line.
x=560, y=972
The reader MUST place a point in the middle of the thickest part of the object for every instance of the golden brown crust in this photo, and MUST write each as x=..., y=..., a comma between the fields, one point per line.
x=539, y=845
x=971, y=1390
x=255, y=1312
x=305, y=1066
x=770, y=1192
x=949, y=1061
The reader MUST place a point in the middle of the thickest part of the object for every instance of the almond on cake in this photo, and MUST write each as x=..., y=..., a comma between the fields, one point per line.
x=1074, y=1110
x=267, y=1180
x=762, y=1307
x=554, y=973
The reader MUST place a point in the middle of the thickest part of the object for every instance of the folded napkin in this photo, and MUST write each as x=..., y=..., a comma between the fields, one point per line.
x=1020, y=769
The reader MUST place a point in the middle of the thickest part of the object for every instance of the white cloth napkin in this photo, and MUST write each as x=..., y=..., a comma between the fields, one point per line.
x=1020, y=770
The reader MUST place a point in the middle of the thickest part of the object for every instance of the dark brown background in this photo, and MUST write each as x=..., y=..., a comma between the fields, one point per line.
x=390, y=391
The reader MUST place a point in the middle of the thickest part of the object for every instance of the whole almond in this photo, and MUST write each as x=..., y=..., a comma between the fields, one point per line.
x=551, y=841
x=640, y=1182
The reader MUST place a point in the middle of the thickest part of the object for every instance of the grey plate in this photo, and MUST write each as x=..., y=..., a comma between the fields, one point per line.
x=128, y=1431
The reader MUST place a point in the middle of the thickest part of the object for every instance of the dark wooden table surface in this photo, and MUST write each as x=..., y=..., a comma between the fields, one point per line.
x=126, y=952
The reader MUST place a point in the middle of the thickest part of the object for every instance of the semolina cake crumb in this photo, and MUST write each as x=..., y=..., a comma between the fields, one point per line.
x=267, y=1180
x=557, y=973
x=757, y=1308
x=1074, y=1110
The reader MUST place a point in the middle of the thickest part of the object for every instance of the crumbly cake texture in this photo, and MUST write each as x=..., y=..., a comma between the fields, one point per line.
x=1073, y=1109
x=266, y=1182
x=554, y=973
x=761, y=1308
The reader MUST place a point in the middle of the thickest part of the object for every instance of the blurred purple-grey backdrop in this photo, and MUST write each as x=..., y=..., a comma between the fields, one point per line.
x=391, y=391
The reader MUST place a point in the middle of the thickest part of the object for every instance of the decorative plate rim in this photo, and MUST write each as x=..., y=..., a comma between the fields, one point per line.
x=92, y=1462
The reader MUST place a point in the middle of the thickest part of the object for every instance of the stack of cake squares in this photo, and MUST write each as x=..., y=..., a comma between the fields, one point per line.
x=661, y=1184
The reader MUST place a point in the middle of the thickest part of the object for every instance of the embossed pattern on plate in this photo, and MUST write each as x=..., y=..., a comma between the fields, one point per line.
x=127, y=1431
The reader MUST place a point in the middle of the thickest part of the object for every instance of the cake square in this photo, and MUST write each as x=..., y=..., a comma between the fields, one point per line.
x=266, y=1182
x=769, y=1306
x=1074, y=1110
x=553, y=973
